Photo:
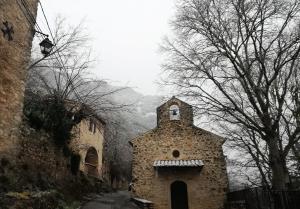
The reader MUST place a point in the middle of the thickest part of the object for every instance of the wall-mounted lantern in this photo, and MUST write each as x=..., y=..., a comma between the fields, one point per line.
x=46, y=46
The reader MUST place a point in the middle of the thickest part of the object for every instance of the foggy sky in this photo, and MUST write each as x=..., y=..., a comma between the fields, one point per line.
x=125, y=35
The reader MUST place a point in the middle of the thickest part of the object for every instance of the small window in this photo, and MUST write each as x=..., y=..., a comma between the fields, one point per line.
x=176, y=153
x=91, y=125
x=174, y=112
x=94, y=130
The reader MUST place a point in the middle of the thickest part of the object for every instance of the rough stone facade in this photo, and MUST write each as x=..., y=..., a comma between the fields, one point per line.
x=39, y=157
x=206, y=187
x=88, y=143
x=14, y=58
x=42, y=164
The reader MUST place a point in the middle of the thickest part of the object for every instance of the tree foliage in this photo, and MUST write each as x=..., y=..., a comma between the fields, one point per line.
x=51, y=115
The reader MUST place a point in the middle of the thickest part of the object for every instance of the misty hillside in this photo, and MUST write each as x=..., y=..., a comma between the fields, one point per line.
x=142, y=111
x=126, y=124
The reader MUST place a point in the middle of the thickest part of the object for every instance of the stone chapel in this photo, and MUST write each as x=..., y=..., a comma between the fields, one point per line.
x=178, y=165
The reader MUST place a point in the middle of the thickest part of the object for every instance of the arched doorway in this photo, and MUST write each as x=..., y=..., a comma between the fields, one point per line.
x=179, y=196
x=91, y=162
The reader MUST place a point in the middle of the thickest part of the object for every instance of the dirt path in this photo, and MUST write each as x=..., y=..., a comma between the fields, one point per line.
x=116, y=200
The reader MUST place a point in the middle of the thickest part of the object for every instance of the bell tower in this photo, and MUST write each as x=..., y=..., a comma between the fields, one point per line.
x=175, y=111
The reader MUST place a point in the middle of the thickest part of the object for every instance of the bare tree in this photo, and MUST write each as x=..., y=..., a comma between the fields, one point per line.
x=66, y=40
x=117, y=151
x=60, y=87
x=65, y=72
x=239, y=61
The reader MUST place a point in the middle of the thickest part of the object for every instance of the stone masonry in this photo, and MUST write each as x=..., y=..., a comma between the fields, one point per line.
x=89, y=137
x=206, y=187
x=15, y=50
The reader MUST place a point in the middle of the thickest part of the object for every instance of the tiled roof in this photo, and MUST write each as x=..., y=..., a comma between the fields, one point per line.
x=178, y=163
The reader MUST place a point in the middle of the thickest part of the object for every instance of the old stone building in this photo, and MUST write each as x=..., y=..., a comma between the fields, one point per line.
x=16, y=36
x=178, y=165
x=88, y=144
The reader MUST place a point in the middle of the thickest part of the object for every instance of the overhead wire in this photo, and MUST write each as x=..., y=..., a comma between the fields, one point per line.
x=56, y=55
x=50, y=31
x=59, y=58
x=25, y=14
x=33, y=19
x=52, y=36
x=26, y=7
x=26, y=10
x=46, y=19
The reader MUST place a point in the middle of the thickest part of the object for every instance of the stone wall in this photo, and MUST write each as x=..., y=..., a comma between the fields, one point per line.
x=85, y=139
x=14, y=58
x=206, y=188
x=38, y=154
x=38, y=164
x=40, y=160
x=41, y=165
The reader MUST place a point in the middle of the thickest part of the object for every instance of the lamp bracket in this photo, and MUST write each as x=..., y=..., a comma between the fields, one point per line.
x=41, y=33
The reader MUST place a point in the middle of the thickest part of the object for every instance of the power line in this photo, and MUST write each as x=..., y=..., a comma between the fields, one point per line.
x=31, y=16
x=26, y=10
x=59, y=58
x=25, y=13
x=24, y=7
x=52, y=36
x=47, y=22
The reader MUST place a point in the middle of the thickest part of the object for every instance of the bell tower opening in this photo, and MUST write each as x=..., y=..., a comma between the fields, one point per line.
x=174, y=112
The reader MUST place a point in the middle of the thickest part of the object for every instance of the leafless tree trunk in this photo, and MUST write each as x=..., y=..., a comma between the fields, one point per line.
x=238, y=60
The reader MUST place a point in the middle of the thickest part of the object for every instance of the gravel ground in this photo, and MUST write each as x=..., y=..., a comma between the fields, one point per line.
x=115, y=200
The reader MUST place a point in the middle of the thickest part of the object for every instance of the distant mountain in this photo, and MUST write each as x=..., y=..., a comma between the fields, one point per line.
x=124, y=125
x=142, y=113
